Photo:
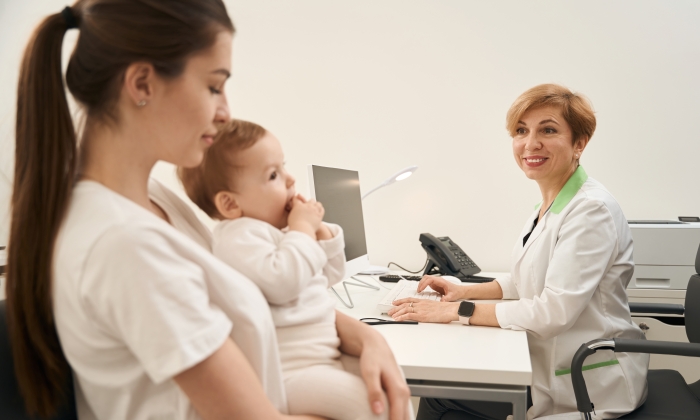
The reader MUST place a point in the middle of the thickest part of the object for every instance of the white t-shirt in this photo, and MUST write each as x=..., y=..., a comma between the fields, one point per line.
x=136, y=302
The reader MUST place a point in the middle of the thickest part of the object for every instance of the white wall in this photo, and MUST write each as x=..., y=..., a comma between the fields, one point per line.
x=380, y=85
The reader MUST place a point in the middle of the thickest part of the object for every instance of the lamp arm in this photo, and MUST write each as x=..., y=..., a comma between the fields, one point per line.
x=383, y=184
x=391, y=179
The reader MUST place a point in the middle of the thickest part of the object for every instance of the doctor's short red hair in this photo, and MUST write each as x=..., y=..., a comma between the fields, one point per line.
x=575, y=108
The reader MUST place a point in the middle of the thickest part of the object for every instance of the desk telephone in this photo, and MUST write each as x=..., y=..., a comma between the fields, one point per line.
x=447, y=258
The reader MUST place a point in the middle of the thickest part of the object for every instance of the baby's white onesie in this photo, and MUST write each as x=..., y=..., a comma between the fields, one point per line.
x=294, y=273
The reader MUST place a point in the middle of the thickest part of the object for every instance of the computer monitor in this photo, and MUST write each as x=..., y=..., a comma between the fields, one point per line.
x=339, y=192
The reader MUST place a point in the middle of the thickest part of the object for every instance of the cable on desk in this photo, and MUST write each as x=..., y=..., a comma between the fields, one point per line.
x=409, y=271
x=380, y=283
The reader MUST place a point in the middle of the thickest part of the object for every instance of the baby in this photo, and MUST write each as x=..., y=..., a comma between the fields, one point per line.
x=278, y=239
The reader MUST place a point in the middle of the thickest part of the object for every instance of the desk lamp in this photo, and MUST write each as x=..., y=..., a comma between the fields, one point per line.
x=399, y=176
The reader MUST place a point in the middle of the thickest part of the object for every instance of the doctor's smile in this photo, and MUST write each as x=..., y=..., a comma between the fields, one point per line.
x=534, y=161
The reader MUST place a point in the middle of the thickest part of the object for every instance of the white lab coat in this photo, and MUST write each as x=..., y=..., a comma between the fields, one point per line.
x=570, y=279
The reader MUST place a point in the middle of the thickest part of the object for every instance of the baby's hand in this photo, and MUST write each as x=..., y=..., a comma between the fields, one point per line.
x=305, y=216
x=323, y=233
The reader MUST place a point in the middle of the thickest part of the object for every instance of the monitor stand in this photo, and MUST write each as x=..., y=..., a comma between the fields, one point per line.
x=361, y=283
x=375, y=270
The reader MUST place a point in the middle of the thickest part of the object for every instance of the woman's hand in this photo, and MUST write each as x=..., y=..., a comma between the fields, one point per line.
x=449, y=291
x=423, y=310
x=380, y=371
x=378, y=367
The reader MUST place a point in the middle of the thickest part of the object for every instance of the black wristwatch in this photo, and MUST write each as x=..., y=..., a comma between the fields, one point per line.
x=465, y=311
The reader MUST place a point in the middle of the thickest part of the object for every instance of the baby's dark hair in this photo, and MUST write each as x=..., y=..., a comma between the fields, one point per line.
x=214, y=174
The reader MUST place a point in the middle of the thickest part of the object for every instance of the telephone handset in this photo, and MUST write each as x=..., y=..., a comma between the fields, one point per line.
x=446, y=257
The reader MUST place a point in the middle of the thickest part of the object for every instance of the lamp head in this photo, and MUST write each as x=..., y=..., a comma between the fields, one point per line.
x=401, y=175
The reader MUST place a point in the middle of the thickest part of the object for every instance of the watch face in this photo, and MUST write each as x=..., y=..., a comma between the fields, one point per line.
x=466, y=309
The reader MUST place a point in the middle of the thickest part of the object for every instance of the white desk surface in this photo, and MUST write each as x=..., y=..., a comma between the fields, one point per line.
x=446, y=352
x=442, y=352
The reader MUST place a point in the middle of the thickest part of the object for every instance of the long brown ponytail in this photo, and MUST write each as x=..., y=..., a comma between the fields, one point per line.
x=113, y=34
x=45, y=161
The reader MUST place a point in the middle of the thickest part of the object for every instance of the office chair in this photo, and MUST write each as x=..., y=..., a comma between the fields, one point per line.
x=11, y=403
x=670, y=397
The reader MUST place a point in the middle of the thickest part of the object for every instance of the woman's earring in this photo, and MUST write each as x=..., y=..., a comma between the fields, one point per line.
x=141, y=103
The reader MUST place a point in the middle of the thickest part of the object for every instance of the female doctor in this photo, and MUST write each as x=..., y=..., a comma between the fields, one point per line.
x=569, y=270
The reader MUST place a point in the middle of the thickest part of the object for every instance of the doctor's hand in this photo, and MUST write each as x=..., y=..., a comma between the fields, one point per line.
x=423, y=310
x=450, y=291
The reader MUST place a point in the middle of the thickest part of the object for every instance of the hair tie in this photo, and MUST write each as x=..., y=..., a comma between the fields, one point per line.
x=69, y=18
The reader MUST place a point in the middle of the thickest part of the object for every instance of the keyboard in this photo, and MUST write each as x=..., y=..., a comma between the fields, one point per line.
x=404, y=289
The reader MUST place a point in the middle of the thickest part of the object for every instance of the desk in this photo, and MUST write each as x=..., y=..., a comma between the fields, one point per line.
x=452, y=360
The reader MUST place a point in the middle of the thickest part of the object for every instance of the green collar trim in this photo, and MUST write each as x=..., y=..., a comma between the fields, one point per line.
x=562, y=372
x=568, y=192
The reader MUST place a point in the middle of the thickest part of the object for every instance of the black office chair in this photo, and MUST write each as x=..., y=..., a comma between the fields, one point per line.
x=11, y=403
x=670, y=397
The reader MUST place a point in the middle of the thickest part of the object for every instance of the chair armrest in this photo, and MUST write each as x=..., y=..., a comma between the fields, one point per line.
x=619, y=345
x=583, y=401
x=657, y=308
x=626, y=345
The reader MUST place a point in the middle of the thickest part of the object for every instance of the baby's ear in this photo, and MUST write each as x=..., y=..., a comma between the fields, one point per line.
x=227, y=206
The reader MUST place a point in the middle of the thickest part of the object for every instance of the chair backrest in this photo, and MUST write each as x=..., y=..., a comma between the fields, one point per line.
x=11, y=403
x=692, y=304
x=692, y=309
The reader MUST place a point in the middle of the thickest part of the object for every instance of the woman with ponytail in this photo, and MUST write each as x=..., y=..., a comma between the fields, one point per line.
x=109, y=275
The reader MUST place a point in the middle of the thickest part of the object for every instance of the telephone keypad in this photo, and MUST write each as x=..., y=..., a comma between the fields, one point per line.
x=464, y=261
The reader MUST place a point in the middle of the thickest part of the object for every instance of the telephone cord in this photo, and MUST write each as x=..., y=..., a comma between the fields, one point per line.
x=409, y=271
